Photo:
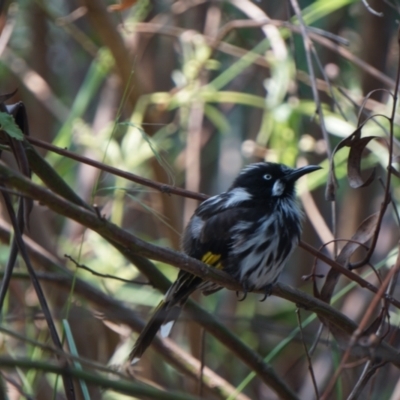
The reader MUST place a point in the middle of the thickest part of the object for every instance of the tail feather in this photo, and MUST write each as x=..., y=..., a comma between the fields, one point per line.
x=149, y=332
x=165, y=314
x=172, y=316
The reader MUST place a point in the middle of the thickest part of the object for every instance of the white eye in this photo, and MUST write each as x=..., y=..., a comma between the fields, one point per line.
x=267, y=177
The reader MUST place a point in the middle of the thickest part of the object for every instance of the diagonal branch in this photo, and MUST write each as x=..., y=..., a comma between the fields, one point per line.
x=129, y=242
x=137, y=251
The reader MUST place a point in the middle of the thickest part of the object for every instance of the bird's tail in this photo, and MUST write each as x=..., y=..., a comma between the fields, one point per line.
x=165, y=314
x=159, y=317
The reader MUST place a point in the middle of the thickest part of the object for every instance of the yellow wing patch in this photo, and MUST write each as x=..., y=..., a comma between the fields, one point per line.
x=212, y=259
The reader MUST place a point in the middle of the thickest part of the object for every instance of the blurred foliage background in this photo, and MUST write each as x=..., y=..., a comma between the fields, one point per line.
x=185, y=93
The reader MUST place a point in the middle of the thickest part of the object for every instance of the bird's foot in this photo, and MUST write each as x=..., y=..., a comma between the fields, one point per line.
x=246, y=289
x=243, y=297
x=267, y=291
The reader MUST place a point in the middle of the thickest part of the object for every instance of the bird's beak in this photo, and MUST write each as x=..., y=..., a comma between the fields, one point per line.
x=299, y=172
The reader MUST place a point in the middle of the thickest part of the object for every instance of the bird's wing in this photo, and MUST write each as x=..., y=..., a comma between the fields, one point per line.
x=237, y=197
x=210, y=237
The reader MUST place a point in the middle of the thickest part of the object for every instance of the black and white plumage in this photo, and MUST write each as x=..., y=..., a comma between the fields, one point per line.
x=248, y=231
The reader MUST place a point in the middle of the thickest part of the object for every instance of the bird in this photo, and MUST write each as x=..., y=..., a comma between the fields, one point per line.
x=249, y=232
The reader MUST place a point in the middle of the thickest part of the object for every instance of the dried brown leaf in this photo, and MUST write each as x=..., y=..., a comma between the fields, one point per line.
x=357, y=145
x=364, y=233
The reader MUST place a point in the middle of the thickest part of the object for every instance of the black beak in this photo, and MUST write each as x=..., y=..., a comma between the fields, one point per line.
x=299, y=172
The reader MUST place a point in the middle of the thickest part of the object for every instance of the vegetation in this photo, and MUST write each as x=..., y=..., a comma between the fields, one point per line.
x=139, y=110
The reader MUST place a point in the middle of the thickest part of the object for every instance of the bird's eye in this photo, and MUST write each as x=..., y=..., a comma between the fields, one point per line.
x=267, y=177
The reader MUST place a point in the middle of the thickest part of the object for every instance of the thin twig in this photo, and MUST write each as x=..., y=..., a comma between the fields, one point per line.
x=351, y=275
x=12, y=258
x=61, y=353
x=134, y=245
x=17, y=386
x=108, y=276
x=144, y=27
x=369, y=371
x=115, y=171
x=358, y=332
x=138, y=390
x=310, y=367
x=68, y=384
x=115, y=311
x=387, y=196
x=202, y=361
x=371, y=10
x=130, y=243
x=308, y=46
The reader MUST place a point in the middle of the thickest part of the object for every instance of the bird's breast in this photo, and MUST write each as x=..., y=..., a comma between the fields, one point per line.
x=261, y=249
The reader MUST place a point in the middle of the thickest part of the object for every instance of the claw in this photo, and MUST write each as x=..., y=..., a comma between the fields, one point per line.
x=267, y=292
x=245, y=291
x=264, y=297
x=244, y=295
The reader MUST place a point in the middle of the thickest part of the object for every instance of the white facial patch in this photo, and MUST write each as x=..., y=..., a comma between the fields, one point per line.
x=278, y=188
x=237, y=196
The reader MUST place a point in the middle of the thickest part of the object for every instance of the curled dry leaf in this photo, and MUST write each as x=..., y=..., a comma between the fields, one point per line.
x=375, y=324
x=364, y=233
x=357, y=145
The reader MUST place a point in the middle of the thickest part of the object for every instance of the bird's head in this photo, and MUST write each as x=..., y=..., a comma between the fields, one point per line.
x=265, y=179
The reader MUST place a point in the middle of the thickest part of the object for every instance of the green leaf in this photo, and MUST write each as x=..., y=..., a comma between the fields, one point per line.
x=74, y=351
x=9, y=126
